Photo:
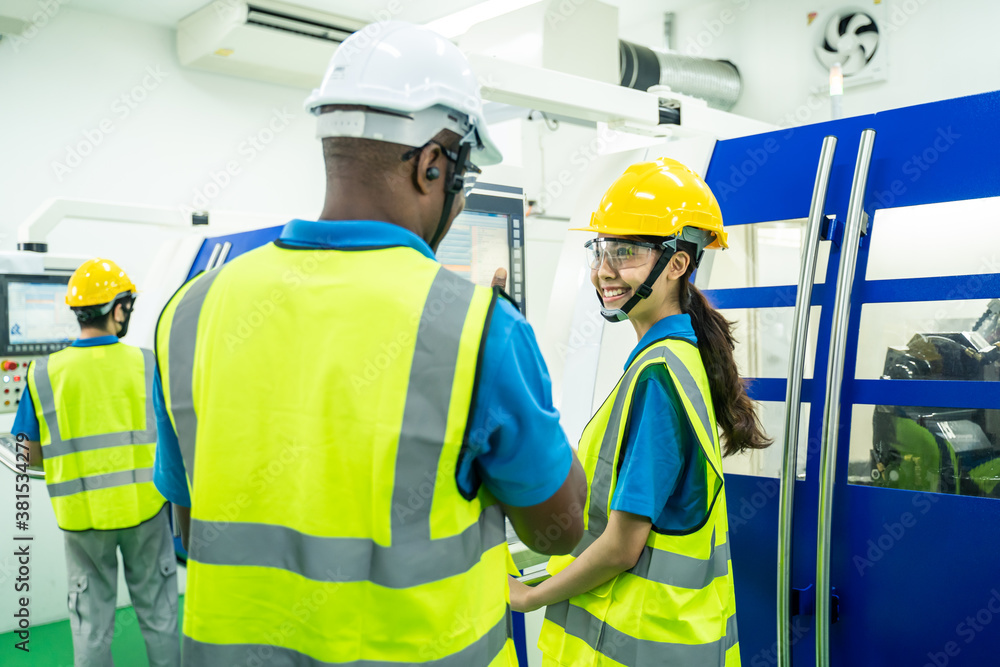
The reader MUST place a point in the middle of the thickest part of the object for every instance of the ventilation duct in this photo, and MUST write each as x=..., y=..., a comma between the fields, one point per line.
x=717, y=82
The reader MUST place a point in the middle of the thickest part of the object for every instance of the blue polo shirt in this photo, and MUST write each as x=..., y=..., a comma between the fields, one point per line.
x=516, y=446
x=662, y=466
x=26, y=421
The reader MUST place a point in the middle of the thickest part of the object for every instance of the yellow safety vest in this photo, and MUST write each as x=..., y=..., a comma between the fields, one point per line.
x=321, y=400
x=676, y=606
x=98, y=435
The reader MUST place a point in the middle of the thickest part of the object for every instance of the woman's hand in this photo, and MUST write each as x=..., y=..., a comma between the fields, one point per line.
x=522, y=598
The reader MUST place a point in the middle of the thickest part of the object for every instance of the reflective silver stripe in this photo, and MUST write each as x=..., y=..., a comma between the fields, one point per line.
x=693, y=392
x=428, y=397
x=346, y=559
x=478, y=654
x=46, y=400
x=665, y=567
x=183, y=331
x=105, y=481
x=633, y=652
x=60, y=447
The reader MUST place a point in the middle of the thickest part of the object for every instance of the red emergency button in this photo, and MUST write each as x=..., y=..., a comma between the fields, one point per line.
x=8, y=365
x=17, y=378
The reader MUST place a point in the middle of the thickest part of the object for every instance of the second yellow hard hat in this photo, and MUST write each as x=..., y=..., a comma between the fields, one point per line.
x=96, y=282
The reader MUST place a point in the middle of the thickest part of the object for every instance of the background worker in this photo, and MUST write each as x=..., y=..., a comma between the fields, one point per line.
x=88, y=415
x=341, y=514
x=651, y=581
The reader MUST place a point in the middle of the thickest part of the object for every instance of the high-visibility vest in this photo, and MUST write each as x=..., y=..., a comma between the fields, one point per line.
x=321, y=400
x=98, y=435
x=676, y=606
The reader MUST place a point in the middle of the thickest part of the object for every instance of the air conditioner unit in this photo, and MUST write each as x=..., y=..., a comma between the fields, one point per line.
x=262, y=39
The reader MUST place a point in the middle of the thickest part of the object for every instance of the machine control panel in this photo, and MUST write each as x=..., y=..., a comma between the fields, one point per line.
x=13, y=381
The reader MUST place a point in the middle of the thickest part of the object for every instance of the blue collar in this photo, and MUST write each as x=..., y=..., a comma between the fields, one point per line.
x=350, y=235
x=94, y=342
x=674, y=326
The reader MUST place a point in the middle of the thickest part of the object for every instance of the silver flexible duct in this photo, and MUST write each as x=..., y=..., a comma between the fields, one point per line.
x=717, y=82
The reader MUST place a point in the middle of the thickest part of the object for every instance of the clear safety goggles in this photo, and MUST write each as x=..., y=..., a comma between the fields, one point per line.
x=618, y=253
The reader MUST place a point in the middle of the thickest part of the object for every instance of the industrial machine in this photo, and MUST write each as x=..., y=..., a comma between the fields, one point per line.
x=943, y=450
x=34, y=319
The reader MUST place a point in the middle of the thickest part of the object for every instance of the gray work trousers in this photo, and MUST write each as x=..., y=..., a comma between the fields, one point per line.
x=151, y=575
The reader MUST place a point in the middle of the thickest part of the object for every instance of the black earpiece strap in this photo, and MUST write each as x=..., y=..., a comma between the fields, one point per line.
x=454, y=183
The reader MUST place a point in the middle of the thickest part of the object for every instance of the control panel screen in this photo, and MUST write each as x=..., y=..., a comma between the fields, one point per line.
x=37, y=313
x=476, y=246
x=487, y=235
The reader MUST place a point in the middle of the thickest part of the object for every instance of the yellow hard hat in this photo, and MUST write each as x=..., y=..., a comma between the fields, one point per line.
x=658, y=198
x=97, y=282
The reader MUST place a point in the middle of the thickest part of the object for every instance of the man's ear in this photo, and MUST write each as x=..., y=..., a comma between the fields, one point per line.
x=430, y=168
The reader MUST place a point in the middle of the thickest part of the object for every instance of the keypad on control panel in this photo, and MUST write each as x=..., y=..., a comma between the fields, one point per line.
x=13, y=382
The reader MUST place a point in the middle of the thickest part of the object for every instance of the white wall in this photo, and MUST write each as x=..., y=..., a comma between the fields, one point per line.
x=937, y=50
x=59, y=87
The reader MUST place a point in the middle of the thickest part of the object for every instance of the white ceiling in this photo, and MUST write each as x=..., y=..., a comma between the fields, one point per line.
x=169, y=12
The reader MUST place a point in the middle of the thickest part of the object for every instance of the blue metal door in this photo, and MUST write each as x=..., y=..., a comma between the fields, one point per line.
x=916, y=568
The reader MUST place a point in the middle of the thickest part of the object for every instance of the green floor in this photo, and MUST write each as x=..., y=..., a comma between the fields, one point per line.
x=52, y=646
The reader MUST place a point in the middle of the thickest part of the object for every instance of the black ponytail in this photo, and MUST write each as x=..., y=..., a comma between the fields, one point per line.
x=734, y=411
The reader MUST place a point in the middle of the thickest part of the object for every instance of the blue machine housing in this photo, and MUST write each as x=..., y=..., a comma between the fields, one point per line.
x=910, y=603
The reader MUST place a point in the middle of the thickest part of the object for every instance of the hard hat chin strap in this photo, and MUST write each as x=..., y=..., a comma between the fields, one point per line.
x=643, y=290
x=454, y=184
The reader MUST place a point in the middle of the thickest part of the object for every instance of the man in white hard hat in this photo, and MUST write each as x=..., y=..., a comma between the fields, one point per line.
x=348, y=461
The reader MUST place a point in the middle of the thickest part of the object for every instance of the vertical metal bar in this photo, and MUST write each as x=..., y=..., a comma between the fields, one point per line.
x=856, y=219
x=793, y=395
x=213, y=257
x=224, y=255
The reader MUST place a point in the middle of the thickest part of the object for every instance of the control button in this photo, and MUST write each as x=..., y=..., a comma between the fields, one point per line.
x=6, y=378
x=6, y=402
x=17, y=378
x=6, y=391
x=8, y=365
x=17, y=391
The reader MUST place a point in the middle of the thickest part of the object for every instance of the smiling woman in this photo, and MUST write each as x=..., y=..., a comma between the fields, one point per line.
x=651, y=582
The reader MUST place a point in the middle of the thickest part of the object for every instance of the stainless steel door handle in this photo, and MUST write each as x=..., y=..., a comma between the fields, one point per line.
x=856, y=219
x=793, y=395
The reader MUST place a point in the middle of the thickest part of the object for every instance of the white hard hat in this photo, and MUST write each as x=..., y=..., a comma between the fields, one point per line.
x=421, y=78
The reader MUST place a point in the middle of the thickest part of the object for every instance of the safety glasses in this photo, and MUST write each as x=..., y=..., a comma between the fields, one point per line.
x=618, y=253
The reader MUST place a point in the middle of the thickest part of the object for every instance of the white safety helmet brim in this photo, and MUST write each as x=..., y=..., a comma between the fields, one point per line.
x=405, y=69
